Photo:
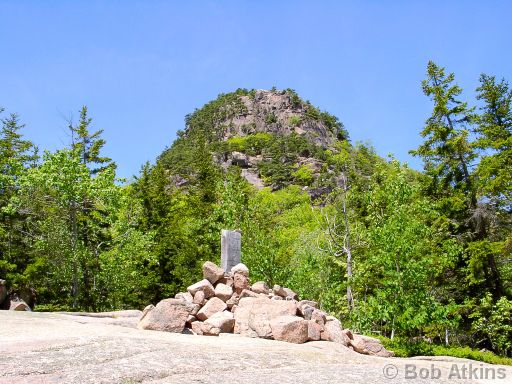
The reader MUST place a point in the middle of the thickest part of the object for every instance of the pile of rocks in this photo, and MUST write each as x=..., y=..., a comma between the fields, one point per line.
x=228, y=303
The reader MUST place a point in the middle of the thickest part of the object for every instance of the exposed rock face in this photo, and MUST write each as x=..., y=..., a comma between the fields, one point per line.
x=276, y=112
x=169, y=315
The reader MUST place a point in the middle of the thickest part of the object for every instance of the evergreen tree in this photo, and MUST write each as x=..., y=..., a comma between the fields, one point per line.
x=89, y=144
x=16, y=156
x=447, y=152
x=494, y=138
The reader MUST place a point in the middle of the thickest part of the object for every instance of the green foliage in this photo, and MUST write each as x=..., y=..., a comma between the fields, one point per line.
x=16, y=157
x=398, y=269
x=447, y=152
x=205, y=121
x=66, y=207
x=430, y=252
x=252, y=144
x=295, y=99
x=88, y=145
x=270, y=118
x=294, y=121
x=280, y=156
x=494, y=131
x=303, y=175
x=408, y=348
x=493, y=320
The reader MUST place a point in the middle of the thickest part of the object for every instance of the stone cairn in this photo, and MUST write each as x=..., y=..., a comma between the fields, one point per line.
x=225, y=302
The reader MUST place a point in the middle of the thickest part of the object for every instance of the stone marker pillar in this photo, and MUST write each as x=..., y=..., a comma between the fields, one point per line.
x=230, y=242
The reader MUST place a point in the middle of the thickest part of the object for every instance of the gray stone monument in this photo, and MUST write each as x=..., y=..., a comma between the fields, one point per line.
x=230, y=243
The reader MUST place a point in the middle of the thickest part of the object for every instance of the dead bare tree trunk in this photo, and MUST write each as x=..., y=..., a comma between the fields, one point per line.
x=339, y=239
x=346, y=245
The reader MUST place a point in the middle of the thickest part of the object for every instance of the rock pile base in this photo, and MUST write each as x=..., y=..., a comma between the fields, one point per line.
x=228, y=303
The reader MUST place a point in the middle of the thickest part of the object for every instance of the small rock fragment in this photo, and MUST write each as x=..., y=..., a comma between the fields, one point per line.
x=240, y=282
x=185, y=296
x=369, y=346
x=233, y=300
x=169, y=315
x=19, y=306
x=290, y=294
x=336, y=334
x=248, y=293
x=209, y=329
x=199, y=298
x=241, y=269
x=260, y=287
x=319, y=316
x=279, y=291
x=197, y=327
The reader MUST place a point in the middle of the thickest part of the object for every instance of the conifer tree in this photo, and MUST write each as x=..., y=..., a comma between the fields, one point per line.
x=89, y=144
x=16, y=156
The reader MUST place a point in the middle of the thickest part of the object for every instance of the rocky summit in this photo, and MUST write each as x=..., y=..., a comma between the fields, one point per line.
x=272, y=138
x=227, y=303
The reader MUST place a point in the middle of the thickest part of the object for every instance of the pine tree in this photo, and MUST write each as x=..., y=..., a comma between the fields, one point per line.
x=88, y=144
x=16, y=156
x=447, y=152
x=494, y=139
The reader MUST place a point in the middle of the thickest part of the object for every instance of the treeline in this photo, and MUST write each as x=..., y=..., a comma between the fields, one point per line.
x=393, y=251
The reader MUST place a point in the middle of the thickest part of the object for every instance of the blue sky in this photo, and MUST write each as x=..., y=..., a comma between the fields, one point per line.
x=141, y=66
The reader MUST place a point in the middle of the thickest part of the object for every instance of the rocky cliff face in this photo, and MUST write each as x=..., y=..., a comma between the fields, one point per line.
x=279, y=113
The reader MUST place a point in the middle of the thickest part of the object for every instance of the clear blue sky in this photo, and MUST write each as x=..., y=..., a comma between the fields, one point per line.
x=140, y=66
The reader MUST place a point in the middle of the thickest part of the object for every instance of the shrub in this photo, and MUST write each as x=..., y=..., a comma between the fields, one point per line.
x=303, y=175
x=405, y=348
x=270, y=118
x=294, y=121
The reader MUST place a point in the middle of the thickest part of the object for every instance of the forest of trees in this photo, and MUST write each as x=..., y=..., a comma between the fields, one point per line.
x=405, y=254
